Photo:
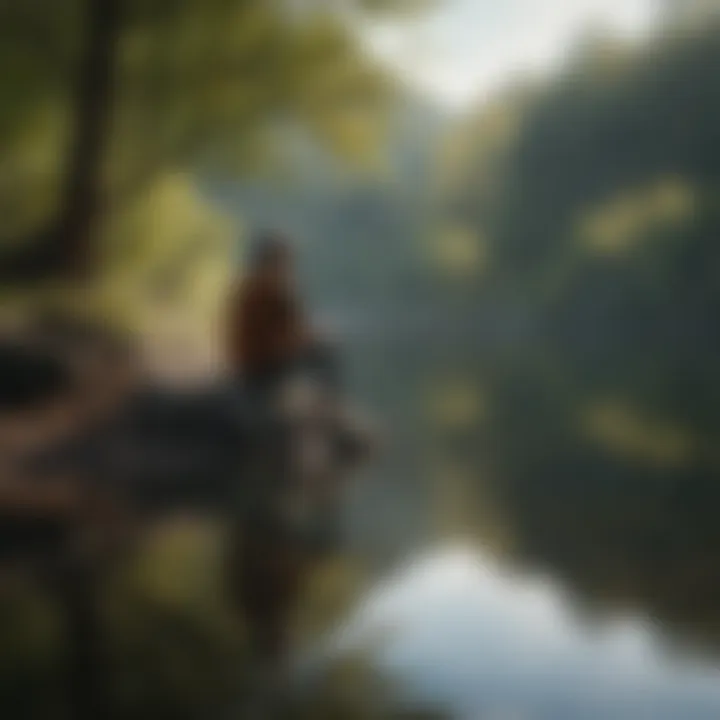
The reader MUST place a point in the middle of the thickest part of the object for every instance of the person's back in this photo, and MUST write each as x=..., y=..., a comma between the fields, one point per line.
x=267, y=326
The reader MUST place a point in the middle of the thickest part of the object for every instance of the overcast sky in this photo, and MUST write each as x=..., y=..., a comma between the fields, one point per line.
x=466, y=48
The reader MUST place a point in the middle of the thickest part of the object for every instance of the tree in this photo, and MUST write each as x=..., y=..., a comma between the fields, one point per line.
x=158, y=86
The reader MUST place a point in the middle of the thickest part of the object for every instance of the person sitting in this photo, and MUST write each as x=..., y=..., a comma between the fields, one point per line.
x=270, y=336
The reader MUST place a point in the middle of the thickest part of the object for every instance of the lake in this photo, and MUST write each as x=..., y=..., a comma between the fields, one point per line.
x=538, y=535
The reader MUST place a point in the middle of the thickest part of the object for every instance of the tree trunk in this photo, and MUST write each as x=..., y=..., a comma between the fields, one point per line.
x=67, y=249
x=86, y=664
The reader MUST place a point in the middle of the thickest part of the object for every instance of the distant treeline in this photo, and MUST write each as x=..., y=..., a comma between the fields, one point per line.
x=597, y=196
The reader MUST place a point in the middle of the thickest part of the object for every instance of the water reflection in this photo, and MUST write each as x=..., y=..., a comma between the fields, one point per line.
x=585, y=584
x=487, y=642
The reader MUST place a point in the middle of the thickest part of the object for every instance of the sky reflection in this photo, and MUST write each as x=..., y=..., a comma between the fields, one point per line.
x=458, y=629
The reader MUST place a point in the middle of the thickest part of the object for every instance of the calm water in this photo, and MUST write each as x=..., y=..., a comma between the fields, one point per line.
x=540, y=534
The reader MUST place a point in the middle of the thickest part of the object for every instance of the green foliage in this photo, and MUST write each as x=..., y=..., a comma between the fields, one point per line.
x=168, y=262
x=618, y=120
x=201, y=87
x=598, y=196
